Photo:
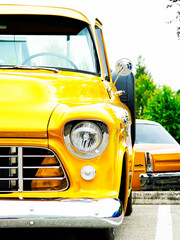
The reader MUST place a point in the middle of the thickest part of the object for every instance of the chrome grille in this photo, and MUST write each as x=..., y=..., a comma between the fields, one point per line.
x=30, y=169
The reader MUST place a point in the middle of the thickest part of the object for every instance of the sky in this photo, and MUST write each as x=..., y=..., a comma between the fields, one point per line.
x=137, y=27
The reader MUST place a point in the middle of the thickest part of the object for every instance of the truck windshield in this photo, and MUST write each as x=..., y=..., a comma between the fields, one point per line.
x=61, y=43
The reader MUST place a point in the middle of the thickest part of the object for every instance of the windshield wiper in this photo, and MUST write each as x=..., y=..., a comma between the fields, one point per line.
x=55, y=70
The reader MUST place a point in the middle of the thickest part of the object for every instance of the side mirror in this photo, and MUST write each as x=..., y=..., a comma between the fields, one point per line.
x=123, y=67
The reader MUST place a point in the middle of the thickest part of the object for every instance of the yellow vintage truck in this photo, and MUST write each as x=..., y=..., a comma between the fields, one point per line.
x=66, y=123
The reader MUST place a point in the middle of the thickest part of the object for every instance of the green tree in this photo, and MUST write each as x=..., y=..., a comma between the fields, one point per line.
x=141, y=68
x=164, y=107
x=144, y=86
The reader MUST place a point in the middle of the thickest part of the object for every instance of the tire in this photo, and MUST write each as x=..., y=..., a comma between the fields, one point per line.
x=123, y=189
x=109, y=234
x=99, y=234
x=127, y=83
x=129, y=205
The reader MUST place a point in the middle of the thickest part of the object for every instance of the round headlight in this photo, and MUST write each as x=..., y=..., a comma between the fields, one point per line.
x=86, y=139
x=86, y=136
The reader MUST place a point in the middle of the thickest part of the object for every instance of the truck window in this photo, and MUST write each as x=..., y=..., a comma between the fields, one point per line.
x=102, y=52
x=47, y=41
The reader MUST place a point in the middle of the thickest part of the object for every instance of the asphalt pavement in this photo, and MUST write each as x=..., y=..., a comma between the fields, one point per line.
x=156, y=197
x=141, y=225
x=151, y=222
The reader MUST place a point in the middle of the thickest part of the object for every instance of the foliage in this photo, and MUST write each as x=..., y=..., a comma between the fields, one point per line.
x=159, y=104
x=164, y=107
x=141, y=68
x=145, y=87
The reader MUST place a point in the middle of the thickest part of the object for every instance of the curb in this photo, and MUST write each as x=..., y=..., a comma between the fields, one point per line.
x=156, y=197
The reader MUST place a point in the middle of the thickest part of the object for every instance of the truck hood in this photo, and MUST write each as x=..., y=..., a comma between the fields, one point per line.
x=27, y=99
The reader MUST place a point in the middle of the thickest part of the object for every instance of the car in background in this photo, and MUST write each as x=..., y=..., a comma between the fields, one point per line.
x=157, y=158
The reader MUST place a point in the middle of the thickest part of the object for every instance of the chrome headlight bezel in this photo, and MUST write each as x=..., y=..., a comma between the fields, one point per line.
x=83, y=154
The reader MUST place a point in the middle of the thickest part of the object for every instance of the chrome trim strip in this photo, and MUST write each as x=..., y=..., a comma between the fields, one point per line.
x=8, y=179
x=160, y=175
x=101, y=213
x=153, y=181
x=8, y=156
x=8, y=167
x=37, y=167
x=31, y=156
x=45, y=178
x=38, y=156
x=20, y=169
x=149, y=166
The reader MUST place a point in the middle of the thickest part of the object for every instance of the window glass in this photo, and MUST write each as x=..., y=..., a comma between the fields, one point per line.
x=102, y=52
x=149, y=133
x=67, y=45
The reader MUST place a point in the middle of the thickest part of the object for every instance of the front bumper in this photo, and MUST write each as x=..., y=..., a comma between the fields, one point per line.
x=160, y=181
x=102, y=213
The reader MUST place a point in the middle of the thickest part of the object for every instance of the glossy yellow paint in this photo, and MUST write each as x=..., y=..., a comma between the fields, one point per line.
x=36, y=104
x=41, y=10
x=29, y=99
x=36, y=98
x=99, y=25
x=26, y=105
x=108, y=164
x=139, y=168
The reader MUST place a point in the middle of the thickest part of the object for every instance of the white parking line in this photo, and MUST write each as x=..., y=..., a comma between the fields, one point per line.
x=164, y=223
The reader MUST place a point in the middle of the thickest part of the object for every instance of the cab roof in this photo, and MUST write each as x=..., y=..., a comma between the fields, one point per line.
x=39, y=7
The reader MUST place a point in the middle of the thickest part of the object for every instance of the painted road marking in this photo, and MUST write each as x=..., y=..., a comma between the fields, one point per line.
x=164, y=223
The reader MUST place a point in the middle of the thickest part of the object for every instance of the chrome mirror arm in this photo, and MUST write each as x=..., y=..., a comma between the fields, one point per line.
x=119, y=93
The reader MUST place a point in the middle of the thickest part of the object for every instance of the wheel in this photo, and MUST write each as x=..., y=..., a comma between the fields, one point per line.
x=127, y=83
x=109, y=234
x=97, y=234
x=49, y=54
x=129, y=205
